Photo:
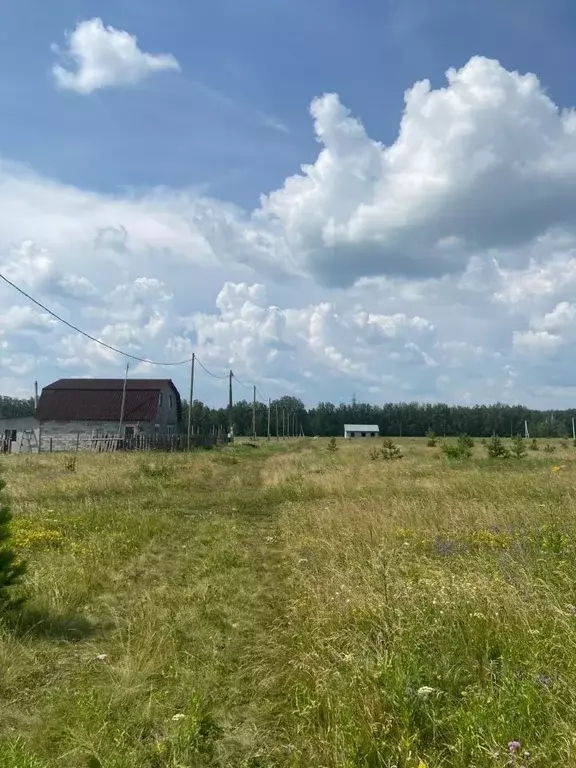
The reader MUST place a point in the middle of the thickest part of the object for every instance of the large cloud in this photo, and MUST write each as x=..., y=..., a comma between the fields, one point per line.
x=103, y=57
x=443, y=266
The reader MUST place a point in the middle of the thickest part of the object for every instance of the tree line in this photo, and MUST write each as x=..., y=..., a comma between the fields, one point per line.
x=393, y=419
x=289, y=416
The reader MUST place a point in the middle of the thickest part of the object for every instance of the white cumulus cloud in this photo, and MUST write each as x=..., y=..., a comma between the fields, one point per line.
x=98, y=56
x=441, y=266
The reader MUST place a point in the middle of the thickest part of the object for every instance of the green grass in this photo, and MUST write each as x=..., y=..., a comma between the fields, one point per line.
x=292, y=606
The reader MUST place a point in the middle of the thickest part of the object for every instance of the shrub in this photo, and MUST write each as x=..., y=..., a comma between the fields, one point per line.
x=497, y=449
x=389, y=452
x=549, y=448
x=431, y=439
x=459, y=451
x=518, y=449
x=332, y=445
x=11, y=569
x=534, y=445
x=564, y=444
x=466, y=441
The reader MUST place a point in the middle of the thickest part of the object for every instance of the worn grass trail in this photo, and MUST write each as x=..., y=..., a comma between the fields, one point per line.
x=149, y=588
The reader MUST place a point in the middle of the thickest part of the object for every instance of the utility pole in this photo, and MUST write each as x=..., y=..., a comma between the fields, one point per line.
x=269, y=406
x=230, y=425
x=123, y=402
x=283, y=423
x=277, y=425
x=191, y=399
x=254, y=415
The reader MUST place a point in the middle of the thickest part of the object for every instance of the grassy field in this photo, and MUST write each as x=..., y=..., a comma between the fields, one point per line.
x=289, y=606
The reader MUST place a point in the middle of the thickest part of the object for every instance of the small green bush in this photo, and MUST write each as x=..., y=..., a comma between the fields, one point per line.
x=466, y=441
x=431, y=440
x=497, y=449
x=549, y=448
x=518, y=449
x=388, y=452
x=461, y=450
x=332, y=445
x=534, y=445
x=11, y=569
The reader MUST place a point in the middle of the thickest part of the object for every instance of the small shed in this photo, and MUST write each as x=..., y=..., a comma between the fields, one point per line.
x=17, y=433
x=361, y=430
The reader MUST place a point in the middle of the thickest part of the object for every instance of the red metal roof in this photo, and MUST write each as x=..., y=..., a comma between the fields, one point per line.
x=101, y=400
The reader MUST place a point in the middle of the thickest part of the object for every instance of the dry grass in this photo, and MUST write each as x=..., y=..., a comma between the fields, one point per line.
x=287, y=606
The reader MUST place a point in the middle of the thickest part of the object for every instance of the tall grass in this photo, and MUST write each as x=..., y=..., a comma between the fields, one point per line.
x=293, y=606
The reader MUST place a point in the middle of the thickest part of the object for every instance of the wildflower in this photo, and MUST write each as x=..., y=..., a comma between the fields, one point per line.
x=102, y=656
x=513, y=747
x=180, y=716
x=544, y=680
x=425, y=691
x=556, y=468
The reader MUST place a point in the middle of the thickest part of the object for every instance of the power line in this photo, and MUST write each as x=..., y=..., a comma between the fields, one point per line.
x=242, y=384
x=110, y=346
x=99, y=341
x=214, y=375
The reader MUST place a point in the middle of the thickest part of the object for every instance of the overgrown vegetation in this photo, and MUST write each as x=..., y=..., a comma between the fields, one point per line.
x=292, y=607
x=431, y=439
x=11, y=568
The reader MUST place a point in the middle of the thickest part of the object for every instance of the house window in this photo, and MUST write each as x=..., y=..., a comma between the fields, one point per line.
x=160, y=399
x=169, y=430
x=170, y=401
x=10, y=434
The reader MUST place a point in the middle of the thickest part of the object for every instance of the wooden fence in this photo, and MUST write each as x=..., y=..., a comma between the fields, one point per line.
x=166, y=443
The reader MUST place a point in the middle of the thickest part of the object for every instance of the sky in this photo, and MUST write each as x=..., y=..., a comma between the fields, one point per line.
x=345, y=198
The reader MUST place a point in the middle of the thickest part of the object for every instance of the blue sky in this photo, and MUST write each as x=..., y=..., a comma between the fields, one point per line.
x=242, y=62
x=178, y=160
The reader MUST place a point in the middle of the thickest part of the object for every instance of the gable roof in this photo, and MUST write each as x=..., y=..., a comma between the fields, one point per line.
x=101, y=400
x=361, y=428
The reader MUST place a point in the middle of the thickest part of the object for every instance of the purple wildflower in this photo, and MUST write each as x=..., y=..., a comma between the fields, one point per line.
x=544, y=679
x=513, y=747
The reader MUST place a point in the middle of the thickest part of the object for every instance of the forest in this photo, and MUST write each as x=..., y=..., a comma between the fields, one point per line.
x=289, y=416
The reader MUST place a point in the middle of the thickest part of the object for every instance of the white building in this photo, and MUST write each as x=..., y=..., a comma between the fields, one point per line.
x=18, y=434
x=361, y=430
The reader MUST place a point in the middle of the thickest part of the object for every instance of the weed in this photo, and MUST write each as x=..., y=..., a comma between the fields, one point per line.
x=534, y=445
x=549, y=448
x=70, y=462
